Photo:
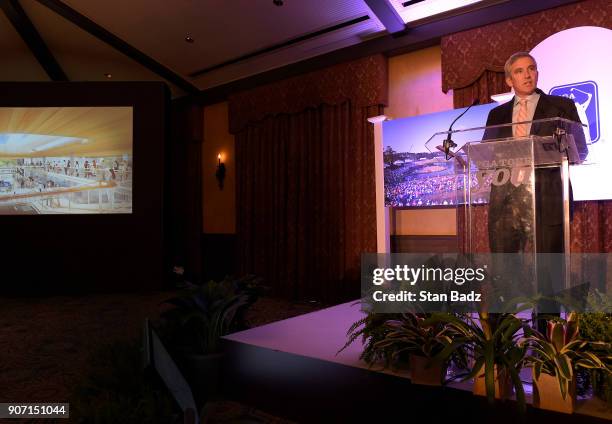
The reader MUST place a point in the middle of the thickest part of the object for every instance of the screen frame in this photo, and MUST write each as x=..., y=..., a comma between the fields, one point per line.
x=94, y=252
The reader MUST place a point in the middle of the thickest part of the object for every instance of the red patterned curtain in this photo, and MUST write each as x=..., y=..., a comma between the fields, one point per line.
x=473, y=64
x=489, y=83
x=467, y=55
x=305, y=178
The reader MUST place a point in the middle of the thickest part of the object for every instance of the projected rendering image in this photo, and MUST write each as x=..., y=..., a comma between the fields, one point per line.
x=65, y=160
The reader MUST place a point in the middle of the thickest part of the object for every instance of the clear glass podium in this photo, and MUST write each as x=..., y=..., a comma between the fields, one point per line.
x=513, y=200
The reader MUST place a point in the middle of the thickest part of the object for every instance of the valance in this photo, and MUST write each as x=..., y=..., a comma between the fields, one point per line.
x=467, y=55
x=363, y=81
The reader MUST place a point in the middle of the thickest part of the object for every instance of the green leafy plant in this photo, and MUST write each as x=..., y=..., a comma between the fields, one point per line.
x=492, y=343
x=595, y=325
x=371, y=329
x=412, y=334
x=560, y=351
x=203, y=314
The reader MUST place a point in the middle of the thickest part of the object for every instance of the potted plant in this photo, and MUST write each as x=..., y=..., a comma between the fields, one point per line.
x=371, y=329
x=595, y=325
x=428, y=345
x=492, y=344
x=197, y=319
x=554, y=358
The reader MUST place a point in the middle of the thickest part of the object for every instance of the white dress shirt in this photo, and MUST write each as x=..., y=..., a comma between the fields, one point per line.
x=532, y=103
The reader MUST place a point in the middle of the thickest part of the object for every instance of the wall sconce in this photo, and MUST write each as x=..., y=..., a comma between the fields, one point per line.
x=220, y=173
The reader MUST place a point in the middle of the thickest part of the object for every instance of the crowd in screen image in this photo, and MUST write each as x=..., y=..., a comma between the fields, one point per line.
x=103, y=169
x=402, y=190
x=66, y=185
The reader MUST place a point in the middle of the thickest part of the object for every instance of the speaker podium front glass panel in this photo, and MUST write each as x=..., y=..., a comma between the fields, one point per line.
x=508, y=193
x=495, y=179
x=497, y=197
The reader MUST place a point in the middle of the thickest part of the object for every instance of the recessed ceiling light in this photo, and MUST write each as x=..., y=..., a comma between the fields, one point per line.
x=189, y=39
x=108, y=75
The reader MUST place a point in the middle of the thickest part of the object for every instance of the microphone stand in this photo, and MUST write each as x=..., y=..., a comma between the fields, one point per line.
x=449, y=143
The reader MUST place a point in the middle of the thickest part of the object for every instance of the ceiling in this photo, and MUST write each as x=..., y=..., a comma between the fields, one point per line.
x=94, y=40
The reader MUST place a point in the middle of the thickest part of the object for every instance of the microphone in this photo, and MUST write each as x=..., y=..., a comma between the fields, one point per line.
x=449, y=143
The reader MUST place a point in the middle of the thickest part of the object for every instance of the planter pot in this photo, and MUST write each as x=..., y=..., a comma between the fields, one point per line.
x=401, y=367
x=547, y=394
x=602, y=385
x=422, y=371
x=503, y=384
x=204, y=374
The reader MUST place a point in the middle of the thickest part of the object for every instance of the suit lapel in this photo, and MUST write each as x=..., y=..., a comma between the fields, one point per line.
x=506, y=118
x=543, y=111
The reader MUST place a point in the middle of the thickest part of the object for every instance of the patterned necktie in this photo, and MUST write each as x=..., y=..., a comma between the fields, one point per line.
x=521, y=130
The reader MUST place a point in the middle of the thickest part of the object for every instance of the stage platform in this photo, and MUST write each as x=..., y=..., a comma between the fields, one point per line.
x=291, y=368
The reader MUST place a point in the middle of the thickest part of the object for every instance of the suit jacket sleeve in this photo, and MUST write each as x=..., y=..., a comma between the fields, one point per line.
x=490, y=133
x=581, y=147
x=497, y=116
x=559, y=107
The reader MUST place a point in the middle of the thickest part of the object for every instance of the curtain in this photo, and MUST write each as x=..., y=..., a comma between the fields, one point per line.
x=305, y=179
x=183, y=201
x=489, y=83
x=306, y=207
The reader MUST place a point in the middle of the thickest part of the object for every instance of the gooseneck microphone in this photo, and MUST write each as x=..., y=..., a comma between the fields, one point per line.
x=449, y=143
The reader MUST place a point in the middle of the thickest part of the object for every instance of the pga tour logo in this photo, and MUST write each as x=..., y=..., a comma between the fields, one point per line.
x=584, y=95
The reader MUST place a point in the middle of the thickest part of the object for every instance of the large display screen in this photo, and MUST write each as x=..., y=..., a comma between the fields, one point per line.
x=66, y=160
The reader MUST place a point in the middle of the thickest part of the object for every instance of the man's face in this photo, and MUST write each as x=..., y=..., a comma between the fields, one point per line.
x=523, y=76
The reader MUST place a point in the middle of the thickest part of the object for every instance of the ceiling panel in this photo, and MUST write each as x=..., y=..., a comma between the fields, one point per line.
x=82, y=56
x=18, y=62
x=233, y=39
x=306, y=49
x=223, y=30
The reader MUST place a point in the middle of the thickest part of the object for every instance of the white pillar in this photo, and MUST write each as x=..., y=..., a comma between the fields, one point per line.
x=382, y=212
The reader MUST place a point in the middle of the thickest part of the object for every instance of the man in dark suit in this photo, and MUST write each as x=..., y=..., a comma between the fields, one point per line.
x=509, y=224
x=528, y=104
